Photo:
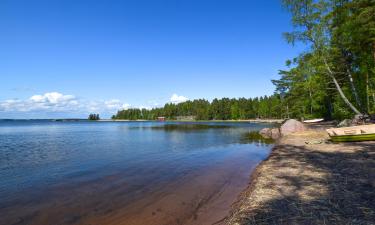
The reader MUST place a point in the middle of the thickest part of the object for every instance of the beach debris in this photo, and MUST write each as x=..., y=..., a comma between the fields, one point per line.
x=292, y=126
x=314, y=142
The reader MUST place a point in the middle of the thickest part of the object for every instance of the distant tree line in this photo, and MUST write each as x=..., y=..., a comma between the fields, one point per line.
x=94, y=117
x=218, y=109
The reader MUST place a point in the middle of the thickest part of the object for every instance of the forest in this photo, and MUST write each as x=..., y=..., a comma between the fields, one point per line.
x=218, y=109
x=333, y=78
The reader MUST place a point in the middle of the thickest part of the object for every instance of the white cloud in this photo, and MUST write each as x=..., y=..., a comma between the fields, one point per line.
x=9, y=104
x=153, y=104
x=144, y=107
x=175, y=99
x=52, y=101
x=58, y=102
x=52, y=97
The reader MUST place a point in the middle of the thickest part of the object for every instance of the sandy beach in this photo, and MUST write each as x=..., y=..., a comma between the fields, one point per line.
x=310, y=180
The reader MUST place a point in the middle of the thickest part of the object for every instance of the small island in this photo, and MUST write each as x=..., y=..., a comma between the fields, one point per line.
x=94, y=117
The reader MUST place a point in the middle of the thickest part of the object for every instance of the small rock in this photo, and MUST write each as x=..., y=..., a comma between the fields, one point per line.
x=265, y=132
x=275, y=133
x=345, y=123
x=359, y=119
x=292, y=126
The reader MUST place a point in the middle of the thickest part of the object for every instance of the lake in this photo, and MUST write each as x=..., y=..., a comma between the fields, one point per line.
x=124, y=172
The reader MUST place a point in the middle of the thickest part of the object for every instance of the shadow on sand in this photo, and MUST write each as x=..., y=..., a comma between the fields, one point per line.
x=327, y=184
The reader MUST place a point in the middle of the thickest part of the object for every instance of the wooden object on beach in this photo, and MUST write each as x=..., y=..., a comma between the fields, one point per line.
x=355, y=133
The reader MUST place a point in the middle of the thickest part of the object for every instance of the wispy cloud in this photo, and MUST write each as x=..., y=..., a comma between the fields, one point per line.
x=175, y=99
x=116, y=104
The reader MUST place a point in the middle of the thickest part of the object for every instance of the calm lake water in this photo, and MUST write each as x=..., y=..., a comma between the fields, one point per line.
x=124, y=172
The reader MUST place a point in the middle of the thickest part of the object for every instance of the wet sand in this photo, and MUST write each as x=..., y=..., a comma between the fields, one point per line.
x=199, y=197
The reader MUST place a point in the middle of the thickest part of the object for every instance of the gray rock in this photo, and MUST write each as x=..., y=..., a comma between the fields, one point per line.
x=292, y=126
x=345, y=123
x=273, y=133
x=265, y=132
x=359, y=120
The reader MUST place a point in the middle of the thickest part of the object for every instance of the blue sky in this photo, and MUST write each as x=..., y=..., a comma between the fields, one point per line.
x=71, y=57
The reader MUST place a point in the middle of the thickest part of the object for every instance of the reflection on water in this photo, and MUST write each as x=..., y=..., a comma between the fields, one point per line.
x=123, y=173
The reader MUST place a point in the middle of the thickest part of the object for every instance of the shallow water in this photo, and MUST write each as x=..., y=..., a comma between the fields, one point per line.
x=124, y=172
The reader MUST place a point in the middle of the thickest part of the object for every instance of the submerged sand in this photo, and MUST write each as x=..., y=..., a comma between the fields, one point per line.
x=202, y=197
x=309, y=180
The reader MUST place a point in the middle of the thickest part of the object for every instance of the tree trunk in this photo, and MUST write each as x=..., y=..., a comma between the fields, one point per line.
x=355, y=93
x=311, y=106
x=367, y=93
x=344, y=97
x=330, y=108
x=342, y=94
x=372, y=93
x=310, y=96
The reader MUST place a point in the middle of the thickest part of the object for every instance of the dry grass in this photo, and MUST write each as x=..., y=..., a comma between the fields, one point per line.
x=308, y=180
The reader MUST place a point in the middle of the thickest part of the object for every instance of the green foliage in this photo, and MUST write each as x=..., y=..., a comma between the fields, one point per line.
x=218, y=109
x=334, y=77
x=94, y=117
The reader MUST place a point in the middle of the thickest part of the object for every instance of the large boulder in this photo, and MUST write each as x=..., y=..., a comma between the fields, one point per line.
x=292, y=126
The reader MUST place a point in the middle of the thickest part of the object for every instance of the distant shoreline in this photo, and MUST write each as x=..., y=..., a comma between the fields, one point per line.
x=120, y=120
